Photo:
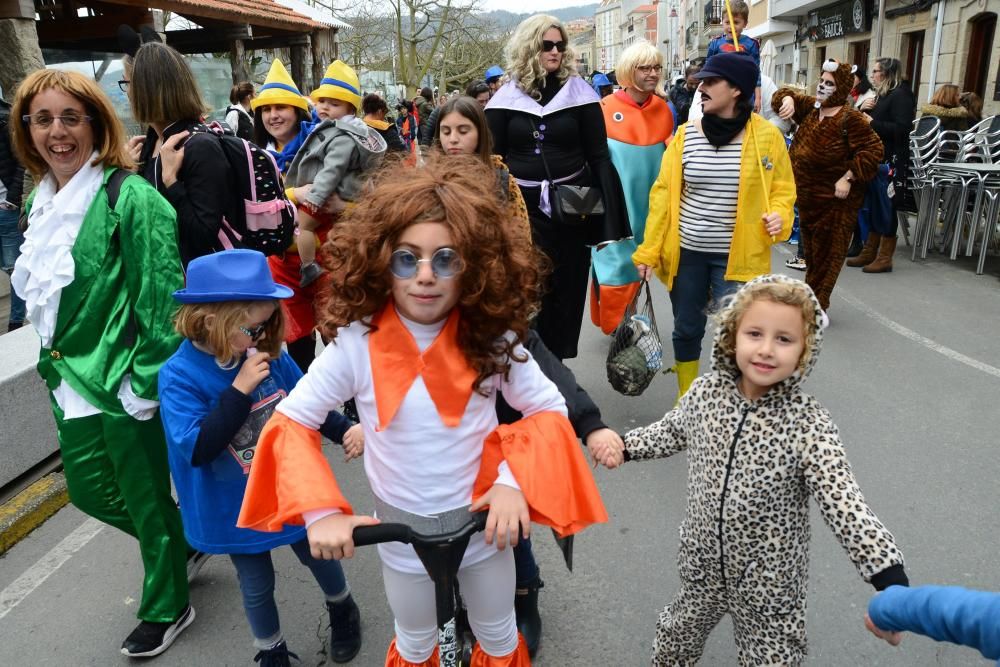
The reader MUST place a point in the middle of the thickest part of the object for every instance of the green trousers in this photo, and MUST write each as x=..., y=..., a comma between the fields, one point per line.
x=117, y=472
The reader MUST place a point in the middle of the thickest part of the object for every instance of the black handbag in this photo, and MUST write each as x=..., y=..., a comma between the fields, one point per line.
x=571, y=205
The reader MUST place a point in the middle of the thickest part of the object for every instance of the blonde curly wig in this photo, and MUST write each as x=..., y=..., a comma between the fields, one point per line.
x=524, y=48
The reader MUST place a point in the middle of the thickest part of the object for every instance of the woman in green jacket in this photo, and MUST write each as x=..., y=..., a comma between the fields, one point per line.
x=97, y=270
x=710, y=227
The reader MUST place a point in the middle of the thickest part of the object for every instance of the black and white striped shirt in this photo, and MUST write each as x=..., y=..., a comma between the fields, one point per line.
x=710, y=188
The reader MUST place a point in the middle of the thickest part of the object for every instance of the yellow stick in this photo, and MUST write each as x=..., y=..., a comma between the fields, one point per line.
x=753, y=135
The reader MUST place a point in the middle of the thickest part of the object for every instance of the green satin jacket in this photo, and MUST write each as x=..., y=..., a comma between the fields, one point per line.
x=127, y=266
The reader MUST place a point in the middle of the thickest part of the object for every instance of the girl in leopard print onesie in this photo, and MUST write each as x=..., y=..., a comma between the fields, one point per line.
x=758, y=447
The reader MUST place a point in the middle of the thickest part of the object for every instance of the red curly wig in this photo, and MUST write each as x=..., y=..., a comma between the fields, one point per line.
x=502, y=277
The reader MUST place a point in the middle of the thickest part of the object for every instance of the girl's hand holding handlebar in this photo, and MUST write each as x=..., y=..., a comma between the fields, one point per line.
x=332, y=537
x=508, y=518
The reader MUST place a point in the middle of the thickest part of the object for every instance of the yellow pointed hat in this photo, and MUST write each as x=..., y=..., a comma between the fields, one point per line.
x=339, y=83
x=279, y=88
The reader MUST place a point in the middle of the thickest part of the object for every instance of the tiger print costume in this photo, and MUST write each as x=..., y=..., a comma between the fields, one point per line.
x=823, y=150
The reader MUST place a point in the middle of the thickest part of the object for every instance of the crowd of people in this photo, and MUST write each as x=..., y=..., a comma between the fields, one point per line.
x=445, y=290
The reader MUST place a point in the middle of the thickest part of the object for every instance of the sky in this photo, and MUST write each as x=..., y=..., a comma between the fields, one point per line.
x=531, y=6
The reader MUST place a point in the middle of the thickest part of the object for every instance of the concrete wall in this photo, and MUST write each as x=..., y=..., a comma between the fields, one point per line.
x=27, y=428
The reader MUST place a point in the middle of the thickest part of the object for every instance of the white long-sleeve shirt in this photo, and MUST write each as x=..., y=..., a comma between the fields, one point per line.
x=417, y=463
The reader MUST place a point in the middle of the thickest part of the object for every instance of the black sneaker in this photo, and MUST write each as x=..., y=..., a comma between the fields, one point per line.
x=196, y=560
x=345, y=629
x=151, y=639
x=279, y=656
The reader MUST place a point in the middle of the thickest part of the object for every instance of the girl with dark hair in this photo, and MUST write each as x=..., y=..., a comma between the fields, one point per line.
x=180, y=155
x=862, y=89
x=238, y=114
x=891, y=115
x=429, y=303
x=375, y=110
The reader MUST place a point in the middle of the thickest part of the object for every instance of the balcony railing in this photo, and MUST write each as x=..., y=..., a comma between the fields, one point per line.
x=714, y=9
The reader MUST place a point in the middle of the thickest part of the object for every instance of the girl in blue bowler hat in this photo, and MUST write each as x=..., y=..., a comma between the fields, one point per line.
x=216, y=393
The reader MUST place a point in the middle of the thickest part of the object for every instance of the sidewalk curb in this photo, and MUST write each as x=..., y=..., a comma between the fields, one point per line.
x=30, y=508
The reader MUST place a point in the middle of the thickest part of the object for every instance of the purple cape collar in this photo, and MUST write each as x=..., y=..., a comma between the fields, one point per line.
x=575, y=92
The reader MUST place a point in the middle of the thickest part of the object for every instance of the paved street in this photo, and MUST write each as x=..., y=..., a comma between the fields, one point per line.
x=910, y=372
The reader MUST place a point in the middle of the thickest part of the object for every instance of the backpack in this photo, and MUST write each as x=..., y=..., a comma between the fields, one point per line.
x=244, y=126
x=269, y=218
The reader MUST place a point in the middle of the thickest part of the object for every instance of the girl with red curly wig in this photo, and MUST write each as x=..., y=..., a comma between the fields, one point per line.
x=431, y=292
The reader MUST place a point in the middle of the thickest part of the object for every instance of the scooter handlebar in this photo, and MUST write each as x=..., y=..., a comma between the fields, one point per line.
x=399, y=532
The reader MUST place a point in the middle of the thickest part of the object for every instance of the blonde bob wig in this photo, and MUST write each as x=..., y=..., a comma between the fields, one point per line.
x=524, y=49
x=637, y=55
x=214, y=324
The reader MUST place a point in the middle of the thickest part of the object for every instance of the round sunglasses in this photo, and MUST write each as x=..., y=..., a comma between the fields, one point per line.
x=445, y=263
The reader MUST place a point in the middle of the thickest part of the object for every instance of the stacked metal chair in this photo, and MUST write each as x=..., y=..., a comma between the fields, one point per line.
x=969, y=201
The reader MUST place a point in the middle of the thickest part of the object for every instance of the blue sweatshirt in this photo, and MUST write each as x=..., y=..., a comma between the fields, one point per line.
x=943, y=613
x=212, y=431
x=724, y=44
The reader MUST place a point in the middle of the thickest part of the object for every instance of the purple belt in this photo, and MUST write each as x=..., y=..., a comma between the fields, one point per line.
x=544, y=205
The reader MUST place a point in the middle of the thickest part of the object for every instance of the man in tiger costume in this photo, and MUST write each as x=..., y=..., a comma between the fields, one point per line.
x=835, y=153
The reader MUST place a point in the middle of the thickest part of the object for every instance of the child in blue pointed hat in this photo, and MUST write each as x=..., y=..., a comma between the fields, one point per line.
x=216, y=393
x=335, y=159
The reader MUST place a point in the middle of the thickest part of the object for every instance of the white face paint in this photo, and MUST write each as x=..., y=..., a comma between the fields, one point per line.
x=824, y=89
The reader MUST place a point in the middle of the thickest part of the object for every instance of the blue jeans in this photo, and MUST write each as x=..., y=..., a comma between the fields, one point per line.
x=11, y=239
x=525, y=567
x=700, y=281
x=256, y=573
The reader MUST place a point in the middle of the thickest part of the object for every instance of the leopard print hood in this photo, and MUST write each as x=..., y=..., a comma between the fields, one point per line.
x=725, y=364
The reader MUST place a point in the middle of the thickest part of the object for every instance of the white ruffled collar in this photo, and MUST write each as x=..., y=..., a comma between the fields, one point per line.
x=46, y=263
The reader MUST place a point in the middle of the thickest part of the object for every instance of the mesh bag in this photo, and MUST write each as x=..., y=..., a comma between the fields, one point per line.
x=636, y=353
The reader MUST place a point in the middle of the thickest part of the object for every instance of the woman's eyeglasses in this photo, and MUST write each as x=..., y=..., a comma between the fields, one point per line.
x=254, y=332
x=44, y=120
x=646, y=69
x=445, y=263
x=548, y=45
x=123, y=85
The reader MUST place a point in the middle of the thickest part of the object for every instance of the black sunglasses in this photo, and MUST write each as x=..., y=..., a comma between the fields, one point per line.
x=548, y=45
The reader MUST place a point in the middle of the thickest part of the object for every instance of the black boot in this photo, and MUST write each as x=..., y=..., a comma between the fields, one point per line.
x=854, y=249
x=345, y=629
x=529, y=622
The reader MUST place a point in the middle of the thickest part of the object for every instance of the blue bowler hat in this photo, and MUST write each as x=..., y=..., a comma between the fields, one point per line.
x=230, y=275
x=600, y=80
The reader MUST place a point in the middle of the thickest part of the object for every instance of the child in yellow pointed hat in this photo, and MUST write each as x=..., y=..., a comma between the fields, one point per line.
x=334, y=160
x=339, y=83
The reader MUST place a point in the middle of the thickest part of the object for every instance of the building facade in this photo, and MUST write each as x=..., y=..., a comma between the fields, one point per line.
x=608, y=35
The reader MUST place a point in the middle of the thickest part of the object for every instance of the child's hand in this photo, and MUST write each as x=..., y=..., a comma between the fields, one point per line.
x=354, y=442
x=253, y=371
x=757, y=100
x=332, y=537
x=893, y=638
x=300, y=193
x=645, y=271
x=508, y=517
x=606, y=447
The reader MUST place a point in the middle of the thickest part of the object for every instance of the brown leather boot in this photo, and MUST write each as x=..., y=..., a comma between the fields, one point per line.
x=883, y=262
x=868, y=253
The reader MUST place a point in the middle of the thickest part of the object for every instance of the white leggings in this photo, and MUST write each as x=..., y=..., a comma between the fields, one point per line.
x=488, y=591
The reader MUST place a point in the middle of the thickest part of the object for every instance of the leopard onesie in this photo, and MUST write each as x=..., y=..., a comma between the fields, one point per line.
x=822, y=151
x=744, y=542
